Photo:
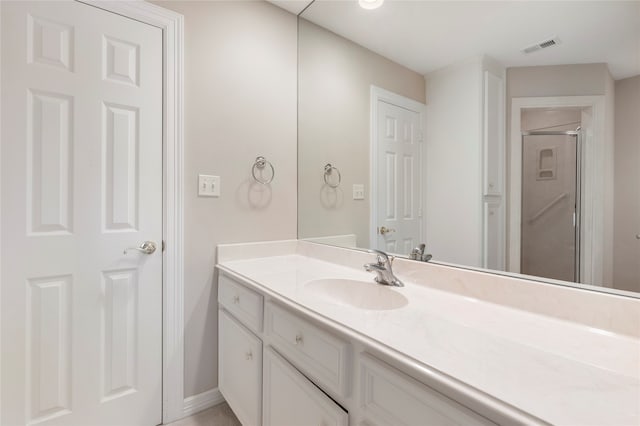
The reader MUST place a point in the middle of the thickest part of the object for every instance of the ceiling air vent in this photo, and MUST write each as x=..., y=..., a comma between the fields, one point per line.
x=541, y=45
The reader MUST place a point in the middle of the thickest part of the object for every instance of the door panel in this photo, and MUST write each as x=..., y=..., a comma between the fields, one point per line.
x=397, y=178
x=81, y=181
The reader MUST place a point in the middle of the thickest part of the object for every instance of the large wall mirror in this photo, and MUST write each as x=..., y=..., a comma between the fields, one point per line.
x=502, y=135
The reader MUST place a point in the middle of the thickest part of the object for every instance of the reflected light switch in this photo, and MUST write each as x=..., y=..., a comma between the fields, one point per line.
x=358, y=191
x=208, y=186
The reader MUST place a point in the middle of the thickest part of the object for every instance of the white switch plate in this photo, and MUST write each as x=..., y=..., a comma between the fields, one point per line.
x=208, y=186
x=358, y=191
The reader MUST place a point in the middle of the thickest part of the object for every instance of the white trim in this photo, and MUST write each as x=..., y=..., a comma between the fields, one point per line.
x=201, y=401
x=592, y=190
x=172, y=26
x=379, y=94
x=1, y=216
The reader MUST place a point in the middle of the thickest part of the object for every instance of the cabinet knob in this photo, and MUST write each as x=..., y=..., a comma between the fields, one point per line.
x=299, y=339
x=249, y=356
x=637, y=236
x=236, y=299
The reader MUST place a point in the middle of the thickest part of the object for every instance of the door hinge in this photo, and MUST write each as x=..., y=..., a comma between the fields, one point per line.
x=163, y=245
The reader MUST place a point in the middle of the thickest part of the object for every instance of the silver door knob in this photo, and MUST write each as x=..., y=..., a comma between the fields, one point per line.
x=637, y=236
x=383, y=230
x=148, y=247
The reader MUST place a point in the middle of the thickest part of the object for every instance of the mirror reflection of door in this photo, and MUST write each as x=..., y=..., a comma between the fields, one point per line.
x=549, y=206
x=550, y=196
x=396, y=178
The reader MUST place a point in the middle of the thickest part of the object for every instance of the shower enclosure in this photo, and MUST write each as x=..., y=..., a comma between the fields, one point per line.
x=550, y=223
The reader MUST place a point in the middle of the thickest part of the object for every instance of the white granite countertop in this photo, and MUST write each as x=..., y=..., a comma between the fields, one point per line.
x=558, y=371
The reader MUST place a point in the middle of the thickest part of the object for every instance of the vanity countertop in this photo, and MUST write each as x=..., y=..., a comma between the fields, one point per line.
x=557, y=371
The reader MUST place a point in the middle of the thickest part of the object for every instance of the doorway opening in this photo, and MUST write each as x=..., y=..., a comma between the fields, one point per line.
x=551, y=193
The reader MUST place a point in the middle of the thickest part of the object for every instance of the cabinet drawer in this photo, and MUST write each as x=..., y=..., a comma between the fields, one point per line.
x=390, y=397
x=240, y=369
x=318, y=353
x=291, y=399
x=243, y=303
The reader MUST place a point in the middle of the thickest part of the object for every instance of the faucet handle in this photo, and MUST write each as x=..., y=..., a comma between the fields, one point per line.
x=382, y=256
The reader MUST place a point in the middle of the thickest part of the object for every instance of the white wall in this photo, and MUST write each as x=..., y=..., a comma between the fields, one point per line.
x=454, y=163
x=335, y=76
x=240, y=102
x=627, y=177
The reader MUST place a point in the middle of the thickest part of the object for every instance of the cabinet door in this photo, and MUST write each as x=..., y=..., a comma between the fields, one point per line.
x=494, y=152
x=290, y=399
x=494, y=234
x=388, y=397
x=240, y=369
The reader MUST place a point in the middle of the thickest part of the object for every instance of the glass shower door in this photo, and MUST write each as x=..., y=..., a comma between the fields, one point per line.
x=550, y=205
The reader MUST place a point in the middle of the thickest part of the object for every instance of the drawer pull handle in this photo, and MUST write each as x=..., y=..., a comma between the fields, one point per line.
x=249, y=355
x=236, y=299
x=299, y=339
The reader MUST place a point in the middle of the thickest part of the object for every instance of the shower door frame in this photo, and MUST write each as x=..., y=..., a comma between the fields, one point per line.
x=577, y=212
x=592, y=260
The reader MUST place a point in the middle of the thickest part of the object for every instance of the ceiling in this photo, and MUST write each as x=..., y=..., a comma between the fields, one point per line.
x=427, y=35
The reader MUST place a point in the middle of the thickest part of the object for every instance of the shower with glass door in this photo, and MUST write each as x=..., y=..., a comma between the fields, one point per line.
x=550, y=222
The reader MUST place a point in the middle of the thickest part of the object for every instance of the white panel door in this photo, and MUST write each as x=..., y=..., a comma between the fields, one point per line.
x=397, y=179
x=81, y=181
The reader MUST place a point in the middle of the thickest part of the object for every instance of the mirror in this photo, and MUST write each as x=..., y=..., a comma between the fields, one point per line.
x=502, y=135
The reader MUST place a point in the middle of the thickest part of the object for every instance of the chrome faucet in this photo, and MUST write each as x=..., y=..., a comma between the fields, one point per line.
x=418, y=254
x=382, y=268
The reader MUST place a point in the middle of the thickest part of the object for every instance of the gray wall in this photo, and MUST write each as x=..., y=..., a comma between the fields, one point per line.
x=557, y=80
x=240, y=102
x=335, y=76
x=627, y=178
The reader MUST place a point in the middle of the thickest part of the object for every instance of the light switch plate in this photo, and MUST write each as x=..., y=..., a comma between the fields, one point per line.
x=208, y=186
x=358, y=191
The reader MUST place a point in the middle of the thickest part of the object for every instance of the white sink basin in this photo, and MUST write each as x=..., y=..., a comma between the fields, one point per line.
x=366, y=295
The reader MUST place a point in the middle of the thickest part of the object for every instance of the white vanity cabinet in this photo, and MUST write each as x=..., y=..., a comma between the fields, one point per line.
x=246, y=380
x=278, y=366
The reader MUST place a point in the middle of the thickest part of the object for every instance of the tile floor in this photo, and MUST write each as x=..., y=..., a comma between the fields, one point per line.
x=220, y=415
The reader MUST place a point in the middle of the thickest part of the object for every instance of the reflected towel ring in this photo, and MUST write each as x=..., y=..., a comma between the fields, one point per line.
x=328, y=170
x=260, y=163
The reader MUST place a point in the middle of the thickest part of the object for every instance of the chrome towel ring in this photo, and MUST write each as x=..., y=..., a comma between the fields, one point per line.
x=328, y=171
x=260, y=164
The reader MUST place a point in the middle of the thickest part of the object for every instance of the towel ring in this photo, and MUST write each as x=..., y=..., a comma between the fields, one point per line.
x=328, y=170
x=260, y=163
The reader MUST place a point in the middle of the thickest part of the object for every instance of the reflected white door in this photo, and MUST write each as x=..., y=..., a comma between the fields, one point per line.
x=397, y=179
x=81, y=181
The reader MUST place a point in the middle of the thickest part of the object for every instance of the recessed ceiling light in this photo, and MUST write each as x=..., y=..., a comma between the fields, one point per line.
x=370, y=4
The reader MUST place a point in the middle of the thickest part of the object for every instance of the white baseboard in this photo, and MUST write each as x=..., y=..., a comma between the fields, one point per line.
x=202, y=401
